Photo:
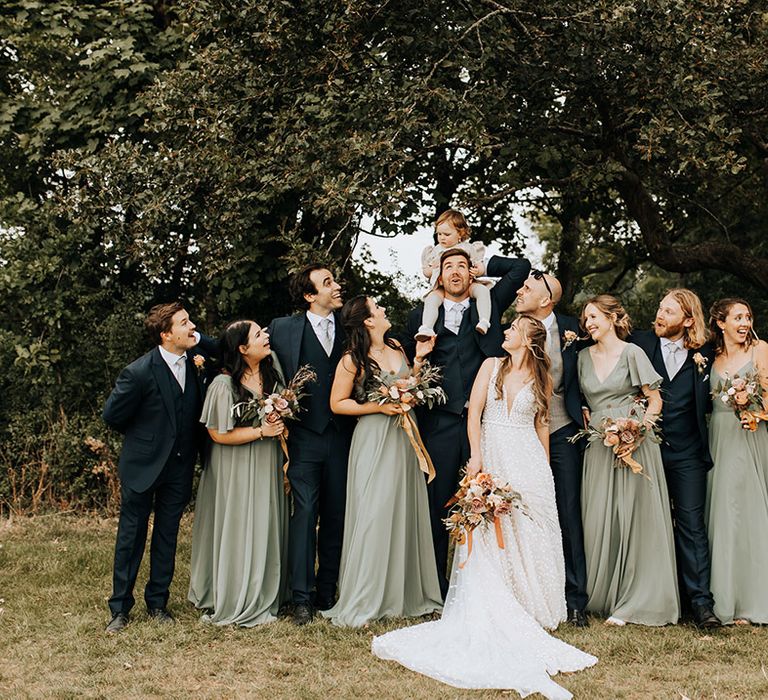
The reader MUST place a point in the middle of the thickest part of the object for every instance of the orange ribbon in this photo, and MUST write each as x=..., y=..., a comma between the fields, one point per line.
x=284, y=444
x=499, y=539
x=753, y=418
x=408, y=423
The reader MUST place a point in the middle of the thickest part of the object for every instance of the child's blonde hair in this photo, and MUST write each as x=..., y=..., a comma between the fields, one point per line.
x=457, y=220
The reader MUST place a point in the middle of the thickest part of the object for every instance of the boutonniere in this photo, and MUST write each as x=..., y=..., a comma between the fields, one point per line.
x=569, y=338
x=701, y=362
x=199, y=361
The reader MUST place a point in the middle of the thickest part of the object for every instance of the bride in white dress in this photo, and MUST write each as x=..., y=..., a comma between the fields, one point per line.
x=491, y=634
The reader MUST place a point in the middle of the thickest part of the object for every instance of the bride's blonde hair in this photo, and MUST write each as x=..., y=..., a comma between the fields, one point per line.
x=534, y=337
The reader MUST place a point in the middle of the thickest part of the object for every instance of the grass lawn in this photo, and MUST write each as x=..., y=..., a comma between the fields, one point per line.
x=55, y=576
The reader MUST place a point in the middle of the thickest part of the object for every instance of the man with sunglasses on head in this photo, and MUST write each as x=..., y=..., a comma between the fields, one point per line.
x=459, y=351
x=538, y=297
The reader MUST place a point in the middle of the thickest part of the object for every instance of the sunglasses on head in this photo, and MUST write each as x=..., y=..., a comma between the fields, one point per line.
x=539, y=275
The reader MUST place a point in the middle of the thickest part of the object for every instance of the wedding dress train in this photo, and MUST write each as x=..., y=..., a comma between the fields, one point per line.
x=491, y=633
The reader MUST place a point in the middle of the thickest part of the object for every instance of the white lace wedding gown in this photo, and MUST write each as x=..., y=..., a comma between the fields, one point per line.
x=491, y=633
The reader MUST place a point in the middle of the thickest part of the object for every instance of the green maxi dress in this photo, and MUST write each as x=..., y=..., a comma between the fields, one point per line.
x=628, y=540
x=387, y=559
x=239, y=537
x=737, y=514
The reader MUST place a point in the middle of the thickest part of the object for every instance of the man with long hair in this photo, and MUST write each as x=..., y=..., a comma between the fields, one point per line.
x=680, y=352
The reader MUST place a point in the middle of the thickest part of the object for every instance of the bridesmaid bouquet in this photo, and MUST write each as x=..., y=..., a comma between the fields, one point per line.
x=278, y=405
x=416, y=390
x=744, y=396
x=480, y=501
x=622, y=435
x=419, y=389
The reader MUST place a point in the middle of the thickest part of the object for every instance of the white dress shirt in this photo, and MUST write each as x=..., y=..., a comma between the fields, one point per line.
x=319, y=324
x=454, y=311
x=548, y=321
x=674, y=354
x=176, y=363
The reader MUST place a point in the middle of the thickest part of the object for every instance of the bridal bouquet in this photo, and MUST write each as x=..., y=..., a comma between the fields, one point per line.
x=480, y=501
x=408, y=392
x=622, y=435
x=744, y=396
x=278, y=405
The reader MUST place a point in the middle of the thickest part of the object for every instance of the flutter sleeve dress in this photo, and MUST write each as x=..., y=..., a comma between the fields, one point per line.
x=239, y=537
x=628, y=541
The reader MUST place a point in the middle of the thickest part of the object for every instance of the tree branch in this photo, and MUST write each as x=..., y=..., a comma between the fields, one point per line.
x=710, y=255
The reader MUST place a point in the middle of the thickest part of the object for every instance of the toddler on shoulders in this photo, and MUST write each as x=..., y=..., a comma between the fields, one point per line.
x=453, y=231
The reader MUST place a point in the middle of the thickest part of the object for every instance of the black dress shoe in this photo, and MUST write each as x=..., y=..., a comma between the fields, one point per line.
x=286, y=610
x=704, y=617
x=324, y=603
x=161, y=615
x=303, y=614
x=578, y=618
x=117, y=623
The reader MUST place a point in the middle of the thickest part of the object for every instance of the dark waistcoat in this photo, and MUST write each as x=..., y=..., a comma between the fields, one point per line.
x=679, y=423
x=187, y=406
x=460, y=359
x=317, y=406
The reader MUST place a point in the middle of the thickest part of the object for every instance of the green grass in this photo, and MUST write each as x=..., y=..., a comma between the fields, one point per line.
x=55, y=575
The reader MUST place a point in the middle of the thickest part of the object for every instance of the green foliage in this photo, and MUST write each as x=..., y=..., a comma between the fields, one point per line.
x=203, y=150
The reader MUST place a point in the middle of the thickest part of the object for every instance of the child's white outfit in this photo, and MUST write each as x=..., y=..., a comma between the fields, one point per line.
x=479, y=290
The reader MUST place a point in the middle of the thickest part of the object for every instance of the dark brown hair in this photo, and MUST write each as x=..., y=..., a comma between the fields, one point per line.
x=160, y=319
x=353, y=316
x=719, y=312
x=453, y=252
x=233, y=363
x=301, y=284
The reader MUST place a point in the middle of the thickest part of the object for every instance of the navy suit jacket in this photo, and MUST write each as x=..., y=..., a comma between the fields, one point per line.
x=285, y=334
x=571, y=390
x=475, y=346
x=651, y=345
x=285, y=337
x=142, y=407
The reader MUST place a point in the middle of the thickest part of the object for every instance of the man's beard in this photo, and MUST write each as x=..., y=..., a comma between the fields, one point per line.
x=668, y=330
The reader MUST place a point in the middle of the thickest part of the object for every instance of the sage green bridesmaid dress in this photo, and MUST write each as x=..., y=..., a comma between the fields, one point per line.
x=628, y=539
x=737, y=514
x=239, y=536
x=387, y=559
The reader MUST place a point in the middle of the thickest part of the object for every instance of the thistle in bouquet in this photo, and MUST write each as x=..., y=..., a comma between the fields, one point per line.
x=421, y=388
x=480, y=500
x=623, y=435
x=743, y=395
x=279, y=405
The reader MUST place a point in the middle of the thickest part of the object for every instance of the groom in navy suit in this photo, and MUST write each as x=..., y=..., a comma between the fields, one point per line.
x=318, y=443
x=459, y=350
x=538, y=297
x=156, y=404
x=678, y=350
